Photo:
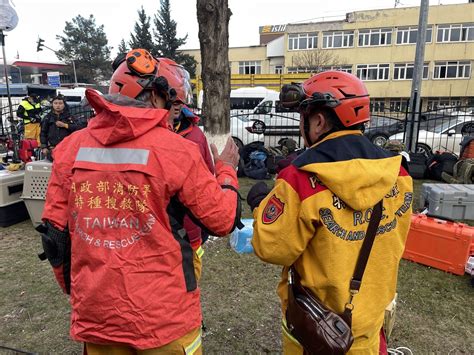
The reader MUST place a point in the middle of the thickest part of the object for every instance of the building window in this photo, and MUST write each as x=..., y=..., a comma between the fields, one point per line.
x=398, y=105
x=296, y=70
x=344, y=68
x=452, y=70
x=373, y=71
x=456, y=33
x=250, y=67
x=339, y=39
x=301, y=41
x=377, y=105
x=404, y=71
x=443, y=102
x=375, y=37
x=407, y=35
x=278, y=69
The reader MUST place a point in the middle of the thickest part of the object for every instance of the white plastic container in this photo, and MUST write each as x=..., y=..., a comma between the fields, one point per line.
x=241, y=239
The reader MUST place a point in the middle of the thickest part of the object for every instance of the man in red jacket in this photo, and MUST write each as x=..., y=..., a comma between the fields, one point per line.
x=185, y=123
x=126, y=264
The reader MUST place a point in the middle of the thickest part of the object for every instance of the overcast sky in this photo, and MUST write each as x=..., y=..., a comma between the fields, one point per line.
x=46, y=19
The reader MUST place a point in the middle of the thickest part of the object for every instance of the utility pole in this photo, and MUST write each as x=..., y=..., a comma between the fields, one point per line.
x=414, y=122
x=40, y=46
x=13, y=129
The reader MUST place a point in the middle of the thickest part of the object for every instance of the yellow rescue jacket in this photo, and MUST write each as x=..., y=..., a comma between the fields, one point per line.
x=26, y=109
x=316, y=217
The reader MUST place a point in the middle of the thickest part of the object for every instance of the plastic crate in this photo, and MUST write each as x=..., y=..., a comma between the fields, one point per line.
x=37, y=175
x=12, y=208
x=442, y=244
x=454, y=201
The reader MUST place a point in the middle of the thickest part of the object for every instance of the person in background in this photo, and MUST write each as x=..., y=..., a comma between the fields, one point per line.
x=29, y=111
x=57, y=125
x=113, y=245
x=316, y=216
x=184, y=123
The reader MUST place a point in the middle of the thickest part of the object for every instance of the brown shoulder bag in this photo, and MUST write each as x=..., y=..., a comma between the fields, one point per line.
x=318, y=329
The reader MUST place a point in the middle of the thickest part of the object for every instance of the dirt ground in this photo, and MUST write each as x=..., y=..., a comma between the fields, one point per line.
x=240, y=306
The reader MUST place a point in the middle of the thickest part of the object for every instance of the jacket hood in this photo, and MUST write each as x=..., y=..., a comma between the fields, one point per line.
x=349, y=165
x=120, y=118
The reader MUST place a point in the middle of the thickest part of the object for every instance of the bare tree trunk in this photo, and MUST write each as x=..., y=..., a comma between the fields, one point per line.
x=213, y=18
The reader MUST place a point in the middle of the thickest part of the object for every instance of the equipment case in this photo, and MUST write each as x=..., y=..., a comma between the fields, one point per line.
x=454, y=201
x=439, y=243
x=12, y=208
x=37, y=175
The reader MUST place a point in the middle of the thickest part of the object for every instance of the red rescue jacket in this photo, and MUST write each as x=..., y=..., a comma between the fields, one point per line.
x=188, y=128
x=132, y=281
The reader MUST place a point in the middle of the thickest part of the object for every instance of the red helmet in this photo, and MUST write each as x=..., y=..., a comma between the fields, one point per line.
x=344, y=93
x=138, y=70
x=178, y=78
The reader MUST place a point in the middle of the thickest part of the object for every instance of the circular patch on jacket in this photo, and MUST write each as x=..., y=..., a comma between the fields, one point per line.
x=273, y=210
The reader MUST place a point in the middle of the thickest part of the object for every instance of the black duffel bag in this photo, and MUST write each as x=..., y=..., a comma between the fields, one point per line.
x=439, y=163
x=417, y=165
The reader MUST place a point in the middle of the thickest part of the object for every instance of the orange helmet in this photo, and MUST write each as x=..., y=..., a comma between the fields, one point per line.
x=138, y=70
x=344, y=93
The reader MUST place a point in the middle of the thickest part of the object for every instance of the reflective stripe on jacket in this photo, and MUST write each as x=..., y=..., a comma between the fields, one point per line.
x=111, y=184
x=317, y=215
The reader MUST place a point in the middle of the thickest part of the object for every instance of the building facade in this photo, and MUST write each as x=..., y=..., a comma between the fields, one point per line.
x=379, y=47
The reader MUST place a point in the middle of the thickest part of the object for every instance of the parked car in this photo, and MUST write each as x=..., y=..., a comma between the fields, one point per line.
x=267, y=123
x=239, y=130
x=446, y=136
x=380, y=128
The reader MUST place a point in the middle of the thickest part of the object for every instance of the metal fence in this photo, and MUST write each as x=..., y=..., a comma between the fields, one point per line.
x=247, y=126
x=78, y=113
x=438, y=130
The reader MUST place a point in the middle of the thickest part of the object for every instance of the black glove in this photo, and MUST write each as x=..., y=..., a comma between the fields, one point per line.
x=256, y=194
x=57, y=249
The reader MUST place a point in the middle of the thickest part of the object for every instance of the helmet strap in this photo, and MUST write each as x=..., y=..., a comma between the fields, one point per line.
x=306, y=130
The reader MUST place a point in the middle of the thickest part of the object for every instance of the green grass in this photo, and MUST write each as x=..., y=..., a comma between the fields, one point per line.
x=240, y=305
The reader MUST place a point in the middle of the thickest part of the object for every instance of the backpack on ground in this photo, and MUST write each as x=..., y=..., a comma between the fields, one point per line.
x=417, y=165
x=467, y=148
x=439, y=163
x=256, y=167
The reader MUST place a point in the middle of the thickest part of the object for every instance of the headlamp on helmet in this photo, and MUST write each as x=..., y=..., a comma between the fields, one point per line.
x=137, y=71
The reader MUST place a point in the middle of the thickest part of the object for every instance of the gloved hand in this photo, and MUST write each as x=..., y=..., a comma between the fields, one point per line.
x=257, y=193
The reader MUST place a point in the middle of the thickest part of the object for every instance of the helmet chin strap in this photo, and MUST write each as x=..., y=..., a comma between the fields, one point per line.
x=306, y=131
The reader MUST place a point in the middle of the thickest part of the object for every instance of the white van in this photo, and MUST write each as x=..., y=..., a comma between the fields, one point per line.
x=244, y=100
x=73, y=96
x=268, y=123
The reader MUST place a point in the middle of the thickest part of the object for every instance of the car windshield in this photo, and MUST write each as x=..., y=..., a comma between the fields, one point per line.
x=382, y=121
x=242, y=118
x=445, y=125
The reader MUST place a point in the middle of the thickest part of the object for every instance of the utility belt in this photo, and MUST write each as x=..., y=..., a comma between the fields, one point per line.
x=31, y=120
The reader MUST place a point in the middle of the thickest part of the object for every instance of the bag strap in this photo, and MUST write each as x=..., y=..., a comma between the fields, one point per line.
x=364, y=253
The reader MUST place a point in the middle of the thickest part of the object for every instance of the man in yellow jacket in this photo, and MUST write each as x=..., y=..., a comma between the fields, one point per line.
x=29, y=111
x=316, y=216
